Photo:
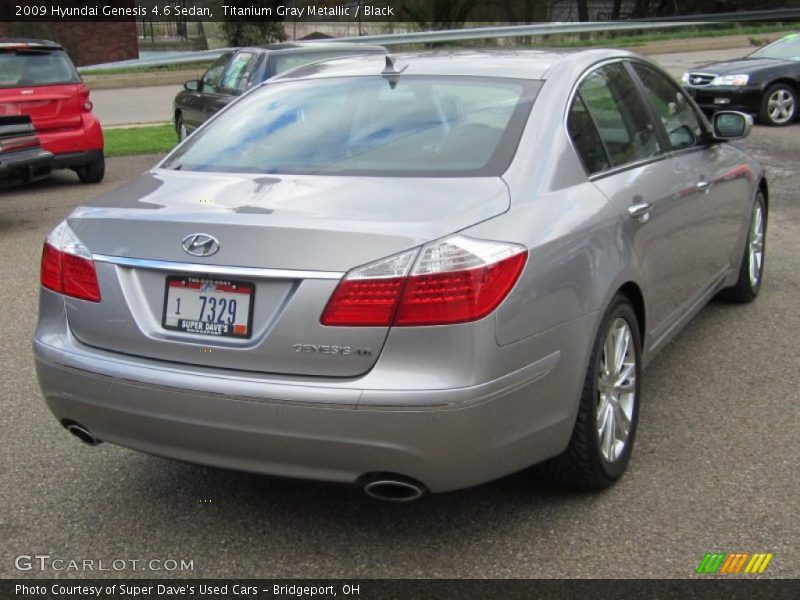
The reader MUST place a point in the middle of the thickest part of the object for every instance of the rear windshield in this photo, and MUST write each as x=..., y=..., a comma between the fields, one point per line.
x=372, y=126
x=36, y=67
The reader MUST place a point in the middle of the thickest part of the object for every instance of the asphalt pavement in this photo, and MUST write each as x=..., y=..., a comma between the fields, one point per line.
x=714, y=469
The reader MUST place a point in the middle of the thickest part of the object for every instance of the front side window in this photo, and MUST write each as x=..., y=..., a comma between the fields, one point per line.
x=679, y=118
x=406, y=126
x=36, y=67
x=621, y=116
x=213, y=77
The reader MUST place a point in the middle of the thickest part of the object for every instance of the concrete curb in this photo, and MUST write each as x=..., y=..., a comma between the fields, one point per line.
x=135, y=125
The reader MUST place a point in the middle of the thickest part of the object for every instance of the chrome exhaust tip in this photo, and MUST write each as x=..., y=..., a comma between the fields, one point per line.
x=394, y=488
x=80, y=432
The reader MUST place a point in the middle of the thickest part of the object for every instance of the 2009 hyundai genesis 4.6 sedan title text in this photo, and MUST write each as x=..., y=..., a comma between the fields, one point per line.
x=412, y=273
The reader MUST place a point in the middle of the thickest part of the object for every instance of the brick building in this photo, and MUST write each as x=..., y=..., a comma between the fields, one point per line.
x=86, y=43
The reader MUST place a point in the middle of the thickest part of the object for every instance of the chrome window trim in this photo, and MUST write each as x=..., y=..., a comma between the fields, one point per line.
x=628, y=167
x=225, y=271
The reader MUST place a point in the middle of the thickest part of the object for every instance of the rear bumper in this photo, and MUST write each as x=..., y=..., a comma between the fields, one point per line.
x=445, y=438
x=27, y=164
x=70, y=160
x=71, y=146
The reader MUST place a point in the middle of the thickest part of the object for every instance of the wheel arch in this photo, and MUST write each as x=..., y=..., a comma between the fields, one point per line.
x=633, y=293
x=763, y=187
x=792, y=83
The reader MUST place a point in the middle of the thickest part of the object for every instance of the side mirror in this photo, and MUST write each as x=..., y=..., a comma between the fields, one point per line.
x=192, y=86
x=731, y=125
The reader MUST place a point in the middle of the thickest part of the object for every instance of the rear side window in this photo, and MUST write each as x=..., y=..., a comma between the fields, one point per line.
x=586, y=139
x=622, y=120
x=21, y=68
x=677, y=115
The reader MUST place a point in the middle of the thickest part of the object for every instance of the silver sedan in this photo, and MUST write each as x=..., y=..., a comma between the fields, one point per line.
x=411, y=273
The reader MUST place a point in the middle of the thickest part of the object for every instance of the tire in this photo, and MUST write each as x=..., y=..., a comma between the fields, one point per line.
x=751, y=272
x=778, y=105
x=180, y=128
x=589, y=462
x=93, y=172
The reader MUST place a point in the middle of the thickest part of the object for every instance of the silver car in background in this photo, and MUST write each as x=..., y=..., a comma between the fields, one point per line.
x=412, y=273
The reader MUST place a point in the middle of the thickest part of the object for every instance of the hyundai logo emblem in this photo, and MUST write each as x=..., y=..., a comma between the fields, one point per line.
x=200, y=244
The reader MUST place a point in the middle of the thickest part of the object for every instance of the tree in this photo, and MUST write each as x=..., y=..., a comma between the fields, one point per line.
x=437, y=14
x=239, y=32
x=583, y=10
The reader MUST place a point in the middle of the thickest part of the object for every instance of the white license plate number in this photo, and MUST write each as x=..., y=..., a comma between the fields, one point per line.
x=210, y=307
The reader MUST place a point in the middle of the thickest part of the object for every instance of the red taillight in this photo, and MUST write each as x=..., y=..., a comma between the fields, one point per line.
x=86, y=104
x=454, y=281
x=79, y=277
x=363, y=302
x=460, y=296
x=51, y=269
x=63, y=268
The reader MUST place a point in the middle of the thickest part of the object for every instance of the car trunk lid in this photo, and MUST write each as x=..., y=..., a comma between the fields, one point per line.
x=49, y=107
x=290, y=237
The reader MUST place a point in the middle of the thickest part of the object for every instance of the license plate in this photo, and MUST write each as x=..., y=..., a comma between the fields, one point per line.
x=215, y=307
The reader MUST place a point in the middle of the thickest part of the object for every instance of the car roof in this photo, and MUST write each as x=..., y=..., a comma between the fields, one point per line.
x=28, y=44
x=300, y=47
x=520, y=64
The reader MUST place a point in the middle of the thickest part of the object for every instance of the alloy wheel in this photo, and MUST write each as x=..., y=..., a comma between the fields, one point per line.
x=755, y=245
x=616, y=386
x=780, y=106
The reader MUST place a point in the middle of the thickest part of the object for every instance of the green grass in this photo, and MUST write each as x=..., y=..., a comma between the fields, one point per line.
x=153, y=139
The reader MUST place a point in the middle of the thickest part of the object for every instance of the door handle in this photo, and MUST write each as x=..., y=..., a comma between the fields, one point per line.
x=640, y=211
x=703, y=185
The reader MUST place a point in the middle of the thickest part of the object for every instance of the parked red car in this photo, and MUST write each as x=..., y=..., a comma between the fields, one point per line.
x=38, y=79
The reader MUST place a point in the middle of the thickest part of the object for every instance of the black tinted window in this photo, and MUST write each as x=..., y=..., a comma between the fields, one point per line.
x=584, y=136
x=34, y=67
x=621, y=116
x=679, y=118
